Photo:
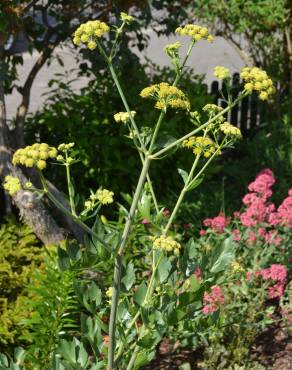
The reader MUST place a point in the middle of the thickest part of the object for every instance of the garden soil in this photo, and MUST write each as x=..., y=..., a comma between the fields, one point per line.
x=273, y=349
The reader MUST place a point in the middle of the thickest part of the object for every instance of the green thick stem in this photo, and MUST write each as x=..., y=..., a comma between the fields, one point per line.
x=118, y=263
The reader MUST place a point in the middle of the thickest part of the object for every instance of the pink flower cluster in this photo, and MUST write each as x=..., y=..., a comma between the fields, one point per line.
x=283, y=215
x=275, y=274
x=260, y=216
x=218, y=223
x=257, y=208
x=213, y=300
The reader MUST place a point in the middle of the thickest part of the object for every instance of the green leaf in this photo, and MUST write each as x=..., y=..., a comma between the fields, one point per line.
x=73, y=251
x=149, y=339
x=195, y=284
x=143, y=358
x=163, y=269
x=19, y=355
x=195, y=183
x=63, y=259
x=144, y=206
x=140, y=294
x=129, y=278
x=67, y=350
x=175, y=316
x=183, y=174
x=225, y=257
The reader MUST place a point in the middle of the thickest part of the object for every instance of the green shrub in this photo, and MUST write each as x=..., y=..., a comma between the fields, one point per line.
x=21, y=253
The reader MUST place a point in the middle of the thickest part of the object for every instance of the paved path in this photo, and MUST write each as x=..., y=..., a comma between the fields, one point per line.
x=205, y=57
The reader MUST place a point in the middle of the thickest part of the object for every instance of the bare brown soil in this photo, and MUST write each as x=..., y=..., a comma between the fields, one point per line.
x=273, y=350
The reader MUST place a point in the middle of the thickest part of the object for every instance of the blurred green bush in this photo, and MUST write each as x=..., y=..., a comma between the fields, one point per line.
x=21, y=254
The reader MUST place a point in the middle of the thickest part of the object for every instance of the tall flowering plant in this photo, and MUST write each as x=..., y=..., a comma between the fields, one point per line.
x=141, y=310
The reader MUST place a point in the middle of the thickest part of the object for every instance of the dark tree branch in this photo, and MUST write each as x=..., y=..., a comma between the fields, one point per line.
x=30, y=5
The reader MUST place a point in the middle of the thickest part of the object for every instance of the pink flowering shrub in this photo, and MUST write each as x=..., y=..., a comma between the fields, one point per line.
x=275, y=276
x=260, y=221
x=213, y=300
x=246, y=257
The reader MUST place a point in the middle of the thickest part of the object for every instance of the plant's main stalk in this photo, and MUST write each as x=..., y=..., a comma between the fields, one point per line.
x=118, y=263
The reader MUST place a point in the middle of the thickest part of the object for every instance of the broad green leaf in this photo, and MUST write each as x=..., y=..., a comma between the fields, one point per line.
x=140, y=294
x=226, y=256
x=67, y=350
x=163, y=269
x=129, y=278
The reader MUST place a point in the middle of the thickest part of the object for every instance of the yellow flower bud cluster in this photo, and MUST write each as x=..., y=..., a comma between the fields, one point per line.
x=65, y=147
x=105, y=196
x=236, y=267
x=195, y=31
x=126, y=17
x=166, y=95
x=34, y=155
x=172, y=49
x=11, y=184
x=212, y=108
x=109, y=292
x=222, y=73
x=257, y=80
x=201, y=145
x=124, y=117
x=167, y=244
x=102, y=196
x=230, y=130
x=89, y=32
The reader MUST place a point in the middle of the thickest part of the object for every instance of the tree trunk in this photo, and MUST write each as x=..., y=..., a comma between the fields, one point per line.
x=31, y=209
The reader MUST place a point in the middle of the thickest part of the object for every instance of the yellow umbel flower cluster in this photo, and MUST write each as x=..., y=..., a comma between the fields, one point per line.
x=212, y=108
x=102, y=196
x=126, y=17
x=167, y=244
x=166, y=95
x=105, y=196
x=65, y=147
x=172, y=49
x=34, y=155
x=11, y=184
x=257, y=80
x=196, y=32
x=230, y=130
x=222, y=73
x=89, y=32
x=124, y=117
x=201, y=145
